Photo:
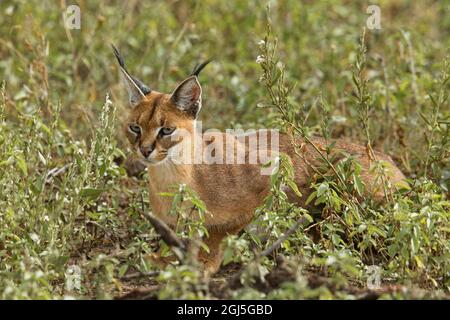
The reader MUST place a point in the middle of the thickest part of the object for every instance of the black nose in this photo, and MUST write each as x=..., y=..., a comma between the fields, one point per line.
x=146, y=151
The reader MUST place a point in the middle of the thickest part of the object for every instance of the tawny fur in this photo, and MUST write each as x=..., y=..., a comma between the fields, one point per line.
x=231, y=192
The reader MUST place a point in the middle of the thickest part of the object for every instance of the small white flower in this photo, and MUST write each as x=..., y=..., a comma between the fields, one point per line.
x=260, y=59
x=35, y=237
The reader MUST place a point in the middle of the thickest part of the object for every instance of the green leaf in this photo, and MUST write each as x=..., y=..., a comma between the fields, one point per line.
x=311, y=197
x=402, y=185
x=419, y=262
x=41, y=158
x=199, y=204
x=359, y=186
x=424, y=118
x=228, y=256
x=22, y=164
x=294, y=188
x=91, y=193
x=336, y=239
x=166, y=194
x=122, y=270
x=308, y=217
x=322, y=189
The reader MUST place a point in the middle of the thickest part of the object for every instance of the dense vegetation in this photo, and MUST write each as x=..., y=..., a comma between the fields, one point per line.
x=67, y=204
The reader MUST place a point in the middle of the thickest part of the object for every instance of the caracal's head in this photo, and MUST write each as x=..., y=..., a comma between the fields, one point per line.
x=158, y=121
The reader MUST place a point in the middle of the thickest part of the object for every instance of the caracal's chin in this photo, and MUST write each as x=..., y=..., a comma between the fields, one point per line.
x=152, y=161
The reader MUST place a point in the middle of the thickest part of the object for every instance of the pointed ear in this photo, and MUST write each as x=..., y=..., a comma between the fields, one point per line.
x=188, y=96
x=136, y=89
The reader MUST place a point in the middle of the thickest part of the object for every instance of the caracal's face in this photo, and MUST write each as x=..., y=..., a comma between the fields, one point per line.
x=155, y=126
x=159, y=122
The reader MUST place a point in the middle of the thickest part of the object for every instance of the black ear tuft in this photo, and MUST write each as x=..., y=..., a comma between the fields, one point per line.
x=119, y=57
x=199, y=67
x=136, y=89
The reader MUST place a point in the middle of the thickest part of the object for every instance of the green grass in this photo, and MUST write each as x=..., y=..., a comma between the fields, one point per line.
x=66, y=199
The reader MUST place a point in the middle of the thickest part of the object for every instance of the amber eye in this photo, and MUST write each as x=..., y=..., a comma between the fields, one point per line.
x=134, y=129
x=166, y=131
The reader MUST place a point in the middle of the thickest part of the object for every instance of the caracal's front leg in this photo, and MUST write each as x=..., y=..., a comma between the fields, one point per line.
x=213, y=259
